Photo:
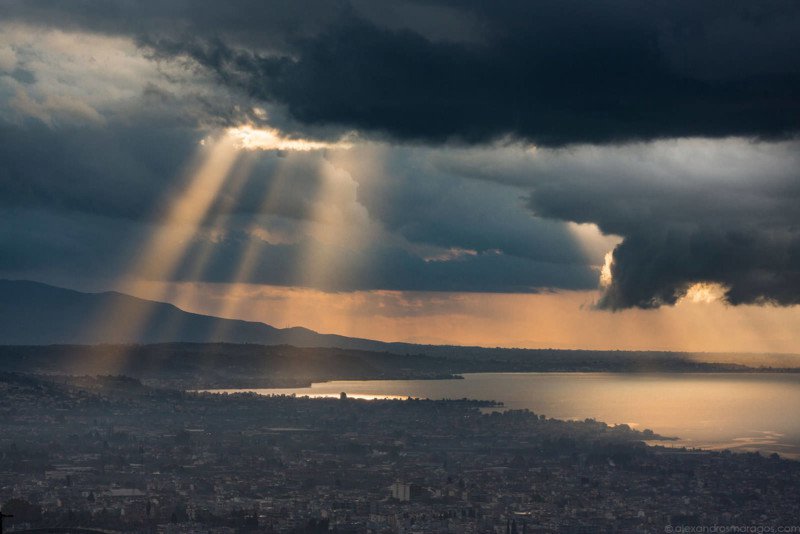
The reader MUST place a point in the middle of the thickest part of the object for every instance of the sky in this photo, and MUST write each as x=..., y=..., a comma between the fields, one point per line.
x=570, y=174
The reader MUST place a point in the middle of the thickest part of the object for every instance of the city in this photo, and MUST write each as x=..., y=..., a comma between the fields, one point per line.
x=109, y=453
x=399, y=266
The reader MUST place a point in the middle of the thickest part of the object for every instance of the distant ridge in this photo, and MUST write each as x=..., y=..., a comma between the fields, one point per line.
x=33, y=313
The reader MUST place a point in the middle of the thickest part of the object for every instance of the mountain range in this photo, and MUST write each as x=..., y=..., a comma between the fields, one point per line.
x=33, y=313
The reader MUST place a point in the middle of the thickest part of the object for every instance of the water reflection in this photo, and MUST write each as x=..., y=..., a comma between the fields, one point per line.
x=743, y=412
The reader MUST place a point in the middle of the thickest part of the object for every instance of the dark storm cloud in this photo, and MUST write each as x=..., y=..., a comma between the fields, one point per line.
x=90, y=248
x=426, y=204
x=386, y=267
x=568, y=73
x=133, y=169
x=553, y=73
x=655, y=267
x=117, y=171
x=81, y=201
x=689, y=211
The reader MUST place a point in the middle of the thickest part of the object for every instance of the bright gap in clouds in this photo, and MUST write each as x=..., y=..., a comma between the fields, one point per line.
x=705, y=292
x=251, y=138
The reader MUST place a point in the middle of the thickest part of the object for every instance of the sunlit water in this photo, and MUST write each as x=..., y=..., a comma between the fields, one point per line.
x=743, y=412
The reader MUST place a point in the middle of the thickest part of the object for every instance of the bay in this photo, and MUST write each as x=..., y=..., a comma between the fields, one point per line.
x=742, y=412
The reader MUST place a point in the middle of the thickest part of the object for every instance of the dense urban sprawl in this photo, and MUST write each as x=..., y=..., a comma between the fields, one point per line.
x=109, y=454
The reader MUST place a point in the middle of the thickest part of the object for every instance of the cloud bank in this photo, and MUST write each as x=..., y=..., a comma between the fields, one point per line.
x=553, y=73
x=689, y=211
x=477, y=135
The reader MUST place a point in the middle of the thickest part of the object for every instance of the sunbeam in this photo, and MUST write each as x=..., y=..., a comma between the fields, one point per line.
x=222, y=209
x=220, y=212
x=248, y=259
x=318, y=218
x=173, y=234
x=251, y=138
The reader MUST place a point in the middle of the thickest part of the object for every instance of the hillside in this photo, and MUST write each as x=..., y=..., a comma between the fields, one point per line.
x=32, y=313
x=35, y=314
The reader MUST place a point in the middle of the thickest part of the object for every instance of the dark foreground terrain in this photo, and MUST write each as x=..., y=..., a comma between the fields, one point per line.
x=109, y=453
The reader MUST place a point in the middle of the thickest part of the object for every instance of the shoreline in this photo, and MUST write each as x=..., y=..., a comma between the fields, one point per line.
x=735, y=433
x=308, y=383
